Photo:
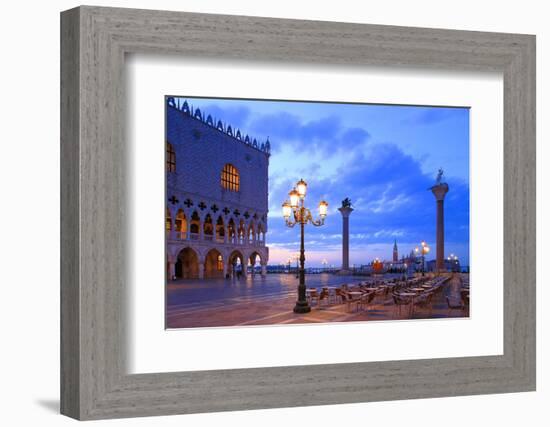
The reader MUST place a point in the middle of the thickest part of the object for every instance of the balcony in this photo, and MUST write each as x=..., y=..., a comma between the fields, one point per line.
x=179, y=236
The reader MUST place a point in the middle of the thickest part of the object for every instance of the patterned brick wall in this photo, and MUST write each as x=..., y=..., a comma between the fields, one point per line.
x=201, y=153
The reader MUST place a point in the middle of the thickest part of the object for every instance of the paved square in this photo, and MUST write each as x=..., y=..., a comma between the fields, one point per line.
x=269, y=301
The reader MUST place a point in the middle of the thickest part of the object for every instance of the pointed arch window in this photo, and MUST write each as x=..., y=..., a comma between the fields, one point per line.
x=168, y=220
x=230, y=178
x=170, y=158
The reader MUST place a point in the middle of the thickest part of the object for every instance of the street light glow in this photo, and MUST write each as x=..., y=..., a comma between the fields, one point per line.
x=301, y=186
x=294, y=198
x=323, y=208
x=286, y=209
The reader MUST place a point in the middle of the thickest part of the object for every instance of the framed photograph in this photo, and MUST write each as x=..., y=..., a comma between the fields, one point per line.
x=222, y=185
x=262, y=213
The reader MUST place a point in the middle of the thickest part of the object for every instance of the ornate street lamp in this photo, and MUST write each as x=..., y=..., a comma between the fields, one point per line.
x=295, y=207
x=424, y=249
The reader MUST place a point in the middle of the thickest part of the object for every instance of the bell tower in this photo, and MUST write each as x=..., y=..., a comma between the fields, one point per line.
x=395, y=253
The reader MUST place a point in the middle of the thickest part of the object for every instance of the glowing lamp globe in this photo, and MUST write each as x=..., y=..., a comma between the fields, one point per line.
x=323, y=207
x=301, y=187
x=294, y=198
x=286, y=210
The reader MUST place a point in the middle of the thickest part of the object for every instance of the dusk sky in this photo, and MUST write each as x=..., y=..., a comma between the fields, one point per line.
x=384, y=158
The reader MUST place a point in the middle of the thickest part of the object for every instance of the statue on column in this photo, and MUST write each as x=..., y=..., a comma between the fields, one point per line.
x=439, y=178
x=346, y=211
x=346, y=203
x=439, y=191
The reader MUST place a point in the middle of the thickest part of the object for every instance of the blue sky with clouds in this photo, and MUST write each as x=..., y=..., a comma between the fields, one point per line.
x=383, y=157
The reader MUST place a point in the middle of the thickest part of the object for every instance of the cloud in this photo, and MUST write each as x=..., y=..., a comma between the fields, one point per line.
x=429, y=116
x=288, y=126
x=391, y=200
x=323, y=135
x=388, y=187
x=388, y=204
x=355, y=135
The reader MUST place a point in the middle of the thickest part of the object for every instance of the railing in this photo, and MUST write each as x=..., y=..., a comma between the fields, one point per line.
x=184, y=235
x=177, y=235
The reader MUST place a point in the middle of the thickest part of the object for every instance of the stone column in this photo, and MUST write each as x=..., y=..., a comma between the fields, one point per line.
x=172, y=234
x=439, y=191
x=201, y=229
x=252, y=266
x=346, y=212
x=201, y=270
x=264, y=269
x=171, y=270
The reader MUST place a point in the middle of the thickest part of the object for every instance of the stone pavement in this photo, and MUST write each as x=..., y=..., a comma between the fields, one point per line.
x=220, y=304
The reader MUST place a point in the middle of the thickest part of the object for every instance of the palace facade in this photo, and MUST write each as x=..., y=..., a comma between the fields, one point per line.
x=216, y=197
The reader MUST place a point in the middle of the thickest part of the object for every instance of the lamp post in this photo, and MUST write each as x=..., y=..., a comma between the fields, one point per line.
x=302, y=215
x=424, y=249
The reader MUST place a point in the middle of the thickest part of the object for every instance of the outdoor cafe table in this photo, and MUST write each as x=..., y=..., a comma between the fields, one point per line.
x=407, y=294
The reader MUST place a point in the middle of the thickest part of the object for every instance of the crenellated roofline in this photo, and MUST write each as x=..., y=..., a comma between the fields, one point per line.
x=196, y=114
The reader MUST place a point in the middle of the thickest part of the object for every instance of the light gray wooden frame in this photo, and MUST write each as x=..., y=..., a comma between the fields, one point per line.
x=94, y=41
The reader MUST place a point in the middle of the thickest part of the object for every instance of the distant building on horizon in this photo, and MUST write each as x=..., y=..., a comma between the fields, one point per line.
x=449, y=265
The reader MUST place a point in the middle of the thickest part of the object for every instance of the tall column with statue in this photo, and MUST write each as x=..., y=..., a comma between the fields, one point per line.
x=346, y=211
x=439, y=190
